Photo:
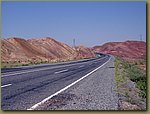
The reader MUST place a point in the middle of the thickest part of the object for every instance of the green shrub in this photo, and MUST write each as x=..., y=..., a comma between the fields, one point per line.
x=134, y=73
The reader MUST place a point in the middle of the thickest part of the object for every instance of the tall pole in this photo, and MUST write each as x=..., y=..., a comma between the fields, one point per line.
x=74, y=43
x=140, y=37
x=74, y=49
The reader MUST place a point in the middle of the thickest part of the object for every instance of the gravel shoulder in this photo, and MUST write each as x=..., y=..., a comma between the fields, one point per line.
x=95, y=92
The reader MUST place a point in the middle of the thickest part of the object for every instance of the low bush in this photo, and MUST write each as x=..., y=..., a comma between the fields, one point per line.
x=136, y=75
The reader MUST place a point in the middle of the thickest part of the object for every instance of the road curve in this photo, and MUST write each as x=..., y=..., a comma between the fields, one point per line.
x=23, y=87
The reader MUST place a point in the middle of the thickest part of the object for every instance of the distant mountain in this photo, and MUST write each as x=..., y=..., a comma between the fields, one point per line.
x=84, y=52
x=48, y=49
x=125, y=50
x=45, y=49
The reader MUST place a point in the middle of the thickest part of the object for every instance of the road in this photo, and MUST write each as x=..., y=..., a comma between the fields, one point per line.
x=23, y=87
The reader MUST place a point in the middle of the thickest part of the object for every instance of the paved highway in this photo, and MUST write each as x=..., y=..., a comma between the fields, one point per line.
x=23, y=87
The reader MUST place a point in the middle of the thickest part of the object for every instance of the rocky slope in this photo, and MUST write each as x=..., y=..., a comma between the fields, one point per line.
x=48, y=49
x=84, y=52
x=45, y=49
x=125, y=50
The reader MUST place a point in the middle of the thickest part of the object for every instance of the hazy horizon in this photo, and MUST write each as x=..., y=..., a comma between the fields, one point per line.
x=89, y=23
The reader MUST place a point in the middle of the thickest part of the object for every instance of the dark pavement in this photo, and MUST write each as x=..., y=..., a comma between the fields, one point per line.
x=23, y=87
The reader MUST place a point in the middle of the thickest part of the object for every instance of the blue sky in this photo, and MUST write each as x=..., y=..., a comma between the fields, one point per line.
x=90, y=23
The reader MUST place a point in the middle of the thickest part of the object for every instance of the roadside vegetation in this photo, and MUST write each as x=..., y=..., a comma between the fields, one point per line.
x=131, y=84
x=12, y=64
x=16, y=64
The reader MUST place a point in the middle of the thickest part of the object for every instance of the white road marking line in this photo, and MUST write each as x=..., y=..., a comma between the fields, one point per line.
x=6, y=85
x=61, y=71
x=25, y=72
x=5, y=75
x=81, y=66
x=46, y=99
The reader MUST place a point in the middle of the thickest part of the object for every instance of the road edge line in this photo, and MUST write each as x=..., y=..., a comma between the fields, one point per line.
x=46, y=99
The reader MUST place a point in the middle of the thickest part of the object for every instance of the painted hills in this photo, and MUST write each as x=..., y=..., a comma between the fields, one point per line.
x=45, y=49
x=50, y=50
x=126, y=50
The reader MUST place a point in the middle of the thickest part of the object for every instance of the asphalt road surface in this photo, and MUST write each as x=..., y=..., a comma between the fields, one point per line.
x=23, y=87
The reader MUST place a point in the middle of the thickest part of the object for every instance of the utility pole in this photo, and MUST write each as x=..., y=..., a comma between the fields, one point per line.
x=74, y=42
x=140, y=37
x=75, y=52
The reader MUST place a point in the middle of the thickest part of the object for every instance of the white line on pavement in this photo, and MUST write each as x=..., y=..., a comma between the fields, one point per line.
x=63, y=89
x=81, y=66
x=5, y=75
x=6, y=85
x=61, y=71
x=20, y=72
x=23, y=72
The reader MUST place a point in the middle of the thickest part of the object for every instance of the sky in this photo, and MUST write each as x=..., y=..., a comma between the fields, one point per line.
x=89, y=23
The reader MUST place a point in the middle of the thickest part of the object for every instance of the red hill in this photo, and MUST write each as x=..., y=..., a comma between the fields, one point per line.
x=126, y=50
